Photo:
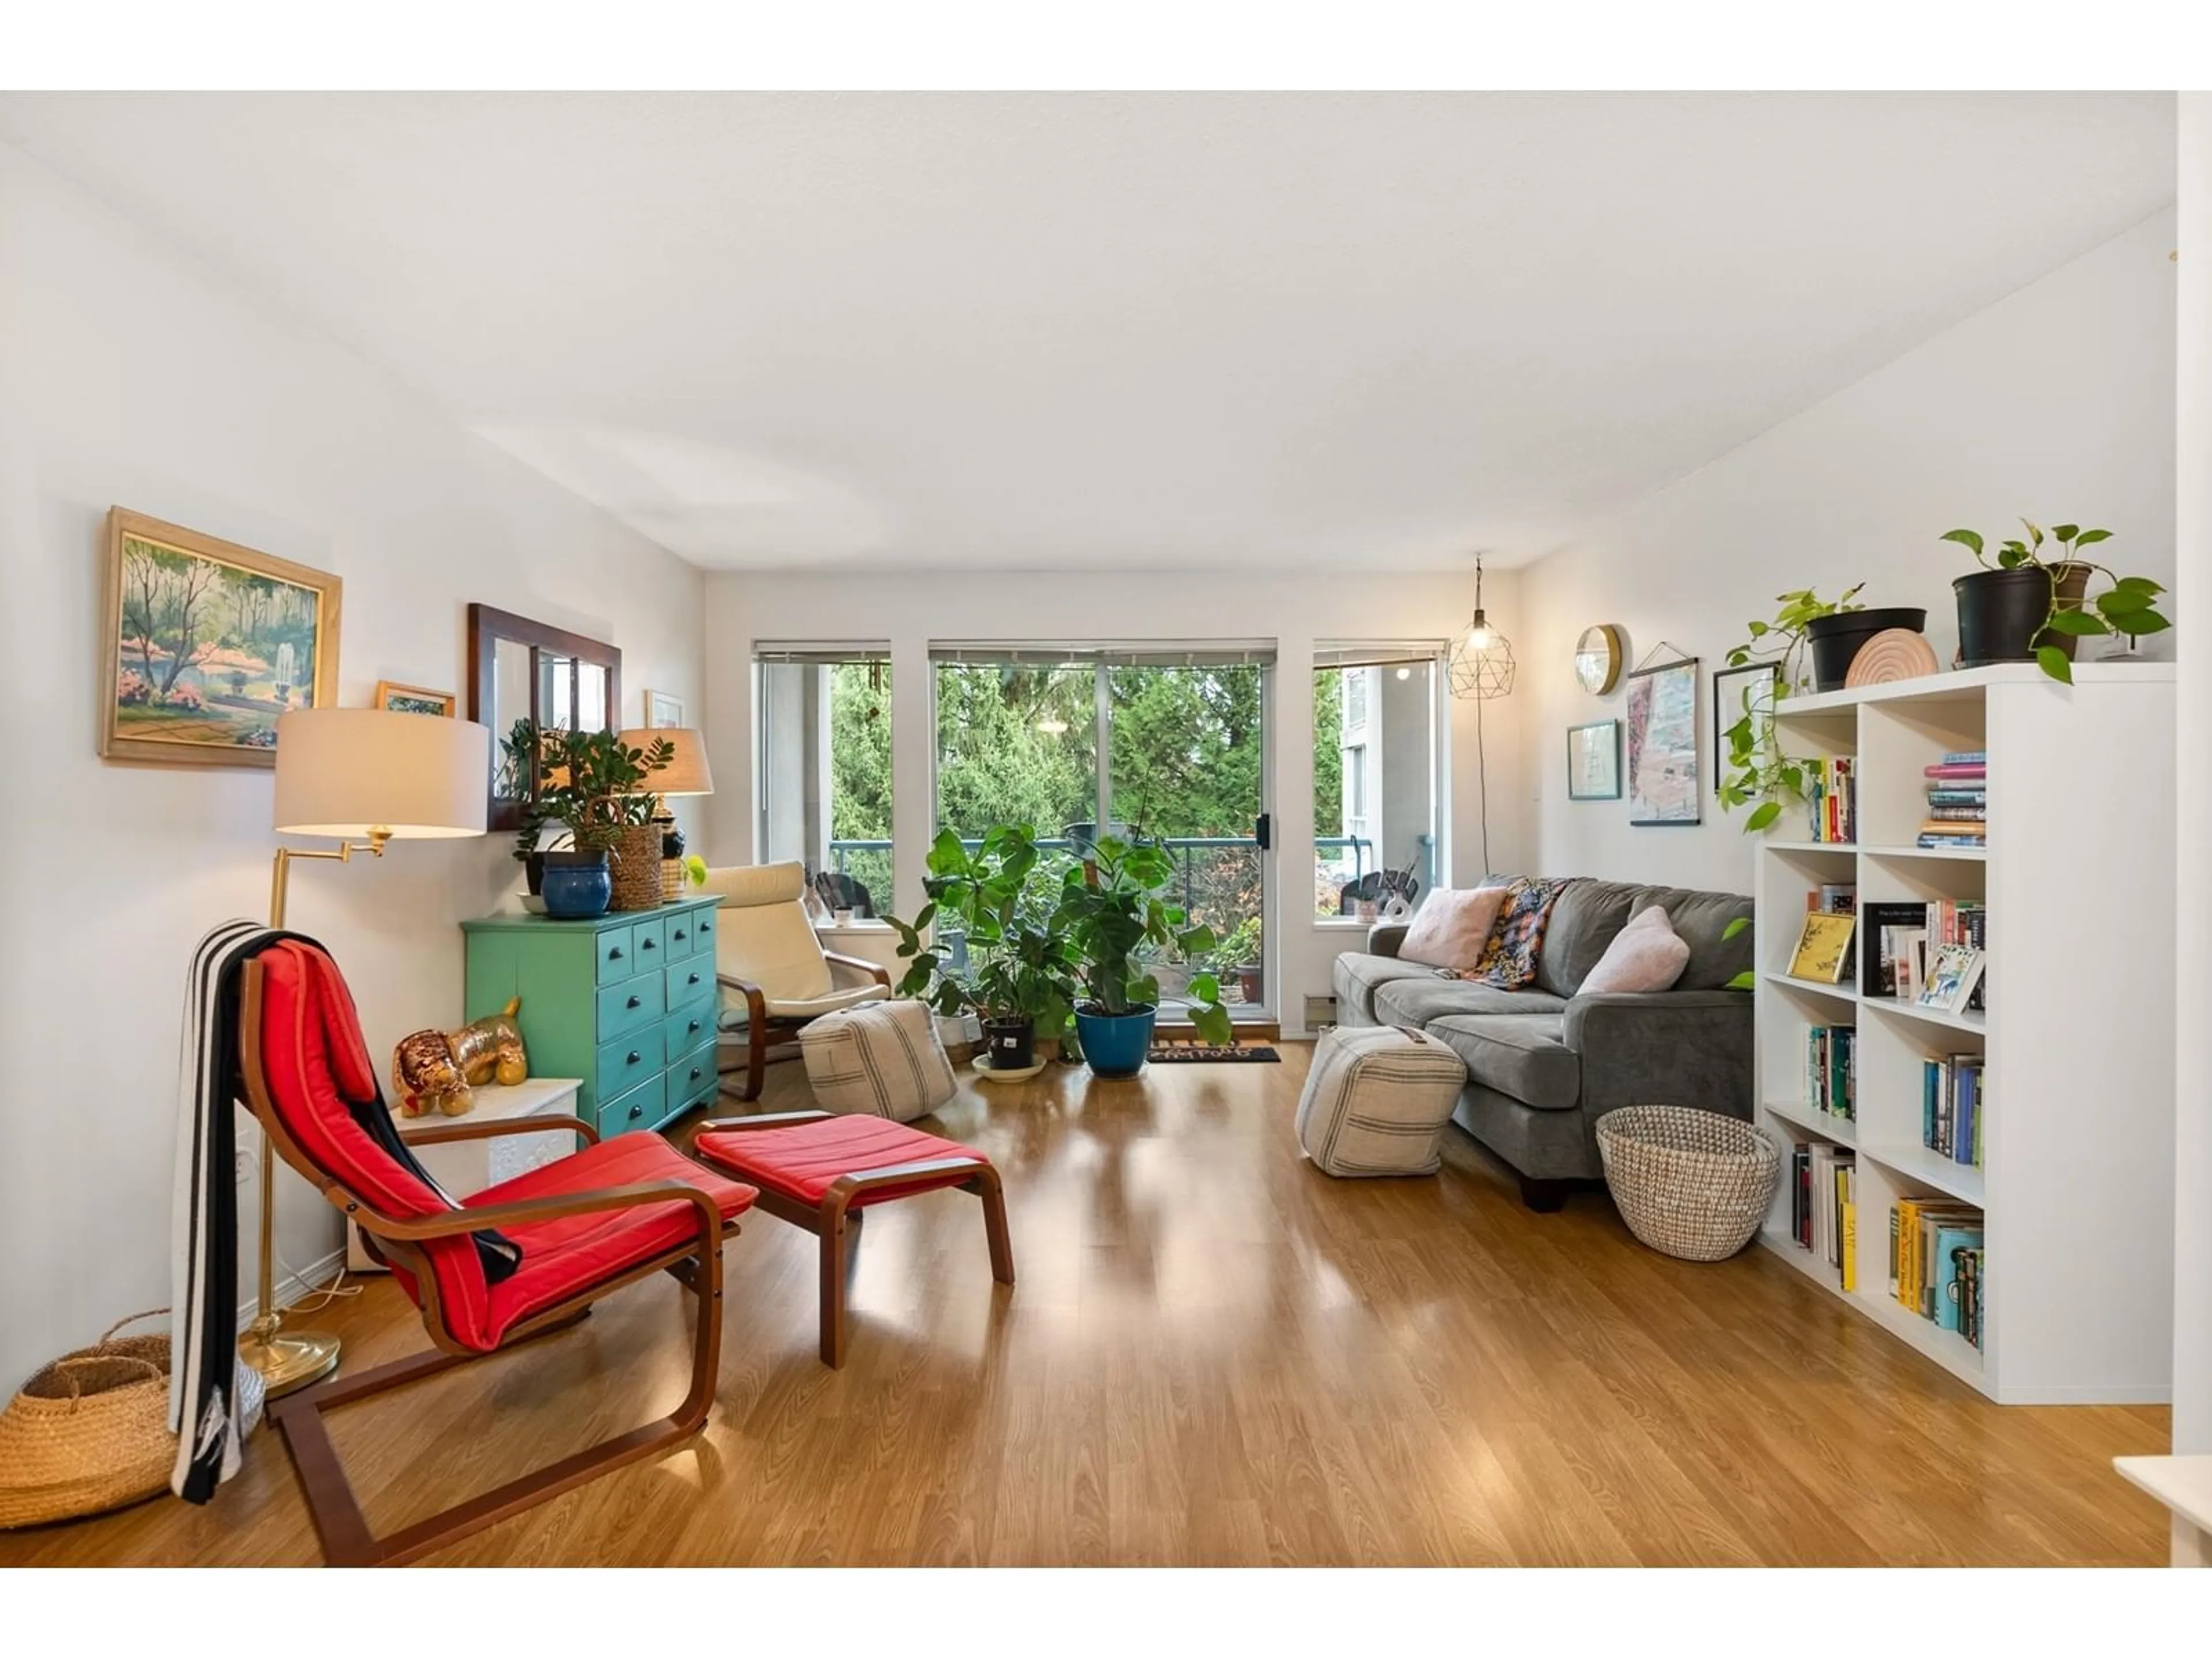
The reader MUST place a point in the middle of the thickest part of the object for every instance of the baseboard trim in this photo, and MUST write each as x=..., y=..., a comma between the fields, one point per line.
x=290, y=1287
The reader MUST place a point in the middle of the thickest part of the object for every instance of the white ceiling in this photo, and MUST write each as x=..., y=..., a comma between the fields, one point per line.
x=1041, y=332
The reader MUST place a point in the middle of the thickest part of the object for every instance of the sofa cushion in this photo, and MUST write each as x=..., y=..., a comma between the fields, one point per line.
x=1358, y=976
x=1588, y=916
x=1645, y=955
x=1516, y=1055
x=1699, y=920
x=1452, y=927
x=1417, y=1001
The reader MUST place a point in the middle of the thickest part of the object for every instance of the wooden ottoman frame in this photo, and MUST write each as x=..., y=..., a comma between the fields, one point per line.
x=833, y=1219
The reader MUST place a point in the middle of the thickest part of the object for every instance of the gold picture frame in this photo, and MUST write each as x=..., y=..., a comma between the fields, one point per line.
x=414, y=699
x=663, y=710
x=206, y=643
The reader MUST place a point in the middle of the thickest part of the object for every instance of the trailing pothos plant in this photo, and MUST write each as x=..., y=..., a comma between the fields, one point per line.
x=1744, y=980
x=1113, y=906
x=1758, y=769
x=1018, y=967
x=2128, y=606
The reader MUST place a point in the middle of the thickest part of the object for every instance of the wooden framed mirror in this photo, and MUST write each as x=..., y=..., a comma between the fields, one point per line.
x=520, y=668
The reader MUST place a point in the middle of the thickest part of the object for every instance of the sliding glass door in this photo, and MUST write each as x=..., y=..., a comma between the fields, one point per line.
x=1126, y=740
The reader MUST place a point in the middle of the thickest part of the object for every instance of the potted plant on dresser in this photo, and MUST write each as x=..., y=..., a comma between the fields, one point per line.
x=1019, y=976
x=1113, y=908
x=2022, y=607
x=594, y=783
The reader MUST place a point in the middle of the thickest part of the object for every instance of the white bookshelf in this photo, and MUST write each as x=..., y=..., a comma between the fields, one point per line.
x=2077, y=1184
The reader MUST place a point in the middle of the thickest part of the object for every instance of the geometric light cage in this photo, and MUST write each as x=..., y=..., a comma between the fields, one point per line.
x=1485, y=673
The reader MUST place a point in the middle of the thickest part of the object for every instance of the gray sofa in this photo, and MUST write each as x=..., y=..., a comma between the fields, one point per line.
x=1544, y=1064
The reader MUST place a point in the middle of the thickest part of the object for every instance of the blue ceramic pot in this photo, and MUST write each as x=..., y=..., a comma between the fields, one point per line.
x=578, y=886
x=1116, y=1044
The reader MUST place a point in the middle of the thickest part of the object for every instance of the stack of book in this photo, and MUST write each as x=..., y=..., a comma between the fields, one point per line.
x=1831, y=1070
x=1824, y=1206
x=1904, y=957
x=1958, y=800
x=1835, y=800
x=1935, y=1263
x=1953, y=1101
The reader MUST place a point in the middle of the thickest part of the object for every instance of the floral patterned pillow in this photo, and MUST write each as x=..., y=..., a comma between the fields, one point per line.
x=1509, y=960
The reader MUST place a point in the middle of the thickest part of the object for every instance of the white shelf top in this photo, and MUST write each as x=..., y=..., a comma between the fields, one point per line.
x=1931, y=1169
x=1965, y=854
x=1820, y=988
x=1778, y=846
x=1962, y=683
x=1964, y=1020
x=525, y=1099
x=1813, y=1121
x=2184, y=1484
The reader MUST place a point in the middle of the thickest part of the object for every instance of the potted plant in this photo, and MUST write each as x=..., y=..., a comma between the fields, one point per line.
x=1758, y=769
x=1826, y=632
x=2023, y=607
x=594, y=783
x=1018, y=975
x=1112, y=906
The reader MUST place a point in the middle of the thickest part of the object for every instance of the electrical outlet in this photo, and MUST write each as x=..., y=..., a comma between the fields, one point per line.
x=244, y=1164
x=246, y=1156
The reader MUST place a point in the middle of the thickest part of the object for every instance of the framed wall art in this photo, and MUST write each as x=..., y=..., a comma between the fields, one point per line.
x=206, y=644
x=1662, y=772
x=1741, y=695
x=662, y=710
x=1594, y=761
x=413, y=699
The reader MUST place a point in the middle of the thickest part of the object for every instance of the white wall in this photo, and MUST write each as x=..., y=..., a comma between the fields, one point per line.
x=129, y=375
x=2192, y=1206
x=2057, y=403
x=909, y=611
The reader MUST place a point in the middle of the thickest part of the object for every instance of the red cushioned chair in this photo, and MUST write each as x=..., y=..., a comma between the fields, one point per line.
x=587, y=1225
x=819, y=1171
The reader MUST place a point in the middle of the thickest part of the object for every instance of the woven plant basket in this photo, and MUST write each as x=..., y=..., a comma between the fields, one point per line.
x=1690, y=1184
x=90, y=1431
x=636, y=861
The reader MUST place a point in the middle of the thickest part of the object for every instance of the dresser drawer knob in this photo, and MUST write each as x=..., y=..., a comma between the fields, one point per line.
x=680, y=934
x=695, y=1074
x=692, y=1027
x=614, y=953
x=638, y=1110
x=647, y=945
x=693, y=980
x=637, y=1002
x=634, y=1058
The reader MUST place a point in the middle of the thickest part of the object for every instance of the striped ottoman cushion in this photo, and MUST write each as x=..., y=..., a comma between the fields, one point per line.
x=1376, y=1101
x=881, y=1060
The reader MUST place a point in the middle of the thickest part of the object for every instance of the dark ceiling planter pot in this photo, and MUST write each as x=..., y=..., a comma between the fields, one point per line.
x=1999, y=611
x=1837, y=639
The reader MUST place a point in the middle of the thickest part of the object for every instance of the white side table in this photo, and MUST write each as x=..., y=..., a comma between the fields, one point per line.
x=463, y=1167
x=2184, y=1484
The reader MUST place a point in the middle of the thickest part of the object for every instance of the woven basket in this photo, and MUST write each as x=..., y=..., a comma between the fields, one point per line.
x=636, y=861
x=1692, y=1184
x=91, y=1430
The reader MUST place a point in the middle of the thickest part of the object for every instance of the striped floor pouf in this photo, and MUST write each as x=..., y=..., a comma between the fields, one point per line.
x=1376, y=1101
x=879, y=1060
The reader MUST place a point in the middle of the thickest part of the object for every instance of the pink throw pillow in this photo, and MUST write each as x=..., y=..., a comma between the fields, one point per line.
x=1647, y=955
x=1451, y=926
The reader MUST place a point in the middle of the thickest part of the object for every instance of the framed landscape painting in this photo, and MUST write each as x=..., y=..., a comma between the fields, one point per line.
x=206, y=643
x=1662, y=744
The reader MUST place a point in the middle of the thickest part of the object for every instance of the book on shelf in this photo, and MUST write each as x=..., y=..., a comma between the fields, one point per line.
x=1903, y=938
x=1824, y=945
x=1953, y=973
x=1935, y=1263
x=1954, y=772
x=1961, y=812
x=1833, y=800
x=1824, y=1206
x=1953, y=1098
x=1831, y=1070
x=1958, y=802
x=1966, y=758
x=1833, y=898
x=1946, y=796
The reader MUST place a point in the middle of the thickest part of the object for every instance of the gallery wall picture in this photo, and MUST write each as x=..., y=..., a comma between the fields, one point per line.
x=1741, y=695
x=662, y=710
x=1594, y=761
x=1661, y=768
x=413, y=699
x=206, y=644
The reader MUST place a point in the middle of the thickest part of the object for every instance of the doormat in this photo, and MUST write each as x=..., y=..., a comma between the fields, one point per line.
x=1171, y=1052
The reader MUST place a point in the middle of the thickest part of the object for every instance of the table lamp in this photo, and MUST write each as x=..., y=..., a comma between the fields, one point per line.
x=361, y=777
x=686, y=774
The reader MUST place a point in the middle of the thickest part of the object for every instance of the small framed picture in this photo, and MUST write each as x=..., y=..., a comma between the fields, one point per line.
x=663, y=710
x=1741, y=695
x=1824, y=948
x=413, y=700
x=1594, y=761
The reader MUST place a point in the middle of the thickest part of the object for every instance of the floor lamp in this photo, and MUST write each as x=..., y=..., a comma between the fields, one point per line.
x=361, y=777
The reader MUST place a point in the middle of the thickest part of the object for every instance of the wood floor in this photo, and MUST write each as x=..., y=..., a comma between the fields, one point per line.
x=1215, y=1355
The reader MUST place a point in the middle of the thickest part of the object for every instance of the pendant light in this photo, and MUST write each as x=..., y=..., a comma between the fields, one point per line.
x=1482, y=662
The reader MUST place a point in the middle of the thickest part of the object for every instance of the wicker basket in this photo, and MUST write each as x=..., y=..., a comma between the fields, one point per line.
x=91, y=1430
x=636, y=861
x=1692, y=1184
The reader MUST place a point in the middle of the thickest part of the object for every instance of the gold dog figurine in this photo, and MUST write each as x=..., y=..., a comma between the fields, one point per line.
x=437, y=1070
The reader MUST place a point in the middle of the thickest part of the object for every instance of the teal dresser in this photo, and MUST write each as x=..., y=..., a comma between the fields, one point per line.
x=627, y=1003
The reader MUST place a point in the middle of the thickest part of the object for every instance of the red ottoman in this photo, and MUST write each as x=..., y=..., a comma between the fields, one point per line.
x=815, y=1170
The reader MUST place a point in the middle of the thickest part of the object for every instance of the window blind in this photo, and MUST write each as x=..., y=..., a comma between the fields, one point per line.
x=1144, y=653
x=1376, y=654
x=821, y=652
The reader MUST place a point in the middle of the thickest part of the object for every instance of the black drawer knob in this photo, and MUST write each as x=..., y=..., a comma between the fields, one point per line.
x=614, y=953
x=634, y=1058
x=638, y=1110
x=695, y=1074
x=692, y=1027
x=647, y=945
x=637, y=1002
x=693, y=980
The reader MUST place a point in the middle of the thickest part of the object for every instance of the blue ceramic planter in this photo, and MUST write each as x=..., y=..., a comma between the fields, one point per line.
x=577, y=892
x=1116, y=1044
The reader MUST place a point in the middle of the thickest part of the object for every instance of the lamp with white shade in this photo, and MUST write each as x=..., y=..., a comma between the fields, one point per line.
x=361, y=777
x=686, y=774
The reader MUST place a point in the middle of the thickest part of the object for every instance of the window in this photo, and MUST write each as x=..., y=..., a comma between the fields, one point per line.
x=1377, y=774
x=825, y=765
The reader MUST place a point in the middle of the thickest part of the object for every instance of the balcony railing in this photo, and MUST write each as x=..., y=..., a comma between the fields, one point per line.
x=1184, y=846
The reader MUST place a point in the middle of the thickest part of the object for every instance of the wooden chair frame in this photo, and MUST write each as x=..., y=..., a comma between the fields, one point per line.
x=833, y=1219
x=759, y=1023
x=696, y=1265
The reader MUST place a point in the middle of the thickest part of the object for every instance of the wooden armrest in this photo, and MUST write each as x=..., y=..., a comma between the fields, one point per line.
x=549, y=1208
x=898, y=1175
x=764, y=1119
x=874, y=970
x=755, y=998
x=433, y=1134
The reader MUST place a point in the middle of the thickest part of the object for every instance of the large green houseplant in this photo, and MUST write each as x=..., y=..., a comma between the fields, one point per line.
x=1114, y=907
x=1019, y=975
x=593, y=782
x=2021, y=604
